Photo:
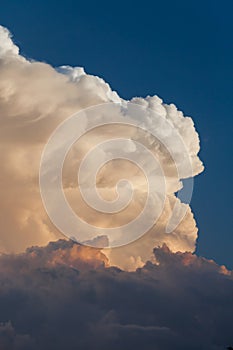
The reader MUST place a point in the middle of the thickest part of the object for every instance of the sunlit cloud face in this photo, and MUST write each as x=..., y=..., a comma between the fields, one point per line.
x=35, y=99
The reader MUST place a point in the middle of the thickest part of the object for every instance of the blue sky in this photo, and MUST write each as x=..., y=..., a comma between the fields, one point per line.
x=179, y=50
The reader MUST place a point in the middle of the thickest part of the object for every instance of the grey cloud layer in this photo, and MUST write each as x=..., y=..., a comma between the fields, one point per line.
x=64, y=296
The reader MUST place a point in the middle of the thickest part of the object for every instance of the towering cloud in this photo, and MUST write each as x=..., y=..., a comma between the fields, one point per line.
x=34, y=99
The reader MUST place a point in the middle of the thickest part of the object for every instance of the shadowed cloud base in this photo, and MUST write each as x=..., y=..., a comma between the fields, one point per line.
x=65, y=296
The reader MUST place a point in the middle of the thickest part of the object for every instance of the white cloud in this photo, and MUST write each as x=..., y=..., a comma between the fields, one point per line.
x=7, y=47
x=34, y=99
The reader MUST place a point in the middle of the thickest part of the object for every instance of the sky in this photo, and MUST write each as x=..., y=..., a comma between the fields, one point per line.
x=182, y=51
x=117, y=283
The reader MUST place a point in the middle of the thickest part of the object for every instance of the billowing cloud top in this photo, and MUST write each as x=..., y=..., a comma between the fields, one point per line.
x=7, y=47
x=34, y=99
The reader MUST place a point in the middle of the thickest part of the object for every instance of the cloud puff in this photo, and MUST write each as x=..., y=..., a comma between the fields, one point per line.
x=55, y=298
x=34, y=99
x=7, y=47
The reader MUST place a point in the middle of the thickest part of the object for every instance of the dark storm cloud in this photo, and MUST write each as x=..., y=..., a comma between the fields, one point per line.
x=56, y=298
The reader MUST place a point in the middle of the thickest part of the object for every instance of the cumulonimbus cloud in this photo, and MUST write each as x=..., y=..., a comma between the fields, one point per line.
x=34, y=99
x=67, y=295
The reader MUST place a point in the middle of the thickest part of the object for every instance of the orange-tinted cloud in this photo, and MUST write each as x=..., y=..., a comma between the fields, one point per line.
x=34, y=99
